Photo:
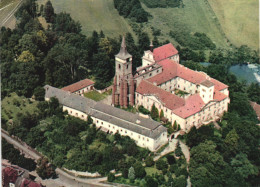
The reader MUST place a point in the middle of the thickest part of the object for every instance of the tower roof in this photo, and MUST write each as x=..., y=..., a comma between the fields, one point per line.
x=123, y=54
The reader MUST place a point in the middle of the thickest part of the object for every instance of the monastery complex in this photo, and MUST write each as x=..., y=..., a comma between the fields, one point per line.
x=189, y=98
x=158, y=82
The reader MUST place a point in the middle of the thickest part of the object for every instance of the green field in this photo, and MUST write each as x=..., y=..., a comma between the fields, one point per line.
x=239, y=20
x=196, y=16
x=6, y=7
x=94, y=15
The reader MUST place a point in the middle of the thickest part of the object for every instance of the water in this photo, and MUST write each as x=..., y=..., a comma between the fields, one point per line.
x=248, y=72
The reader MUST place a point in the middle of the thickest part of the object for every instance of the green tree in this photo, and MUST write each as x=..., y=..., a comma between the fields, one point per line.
x=39, y=93
x=150, y=182
x=154, y=113
x=110, y=177
x=131, y=174
x=243, y=167
x=49, y=12
x=149, y=161
x=161, y=164
x=161, y=114
x=139, y=170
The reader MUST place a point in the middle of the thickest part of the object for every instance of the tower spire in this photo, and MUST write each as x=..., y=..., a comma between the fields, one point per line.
x=123, y=54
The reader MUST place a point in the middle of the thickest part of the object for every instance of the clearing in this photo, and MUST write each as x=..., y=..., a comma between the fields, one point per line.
x=13, y=104
x=239, y=20
x=94, y=15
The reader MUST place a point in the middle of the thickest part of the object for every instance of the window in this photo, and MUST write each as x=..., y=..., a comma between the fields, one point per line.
x=108, y=125
x=97, y=121
x=119, y=66
x=157, y=71
x=143, y=138
x=147, y=139
x=82, y=116
x=139, y=136
x=71, y=112
x=150, y=74
x=126, y=132
x=101, y=123
x=76, y=114
x=127, y=66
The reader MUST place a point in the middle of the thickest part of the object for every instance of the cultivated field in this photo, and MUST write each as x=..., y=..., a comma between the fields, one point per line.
x=239, y=20
x=7, y=9
x=94, y=15
x=196, y=16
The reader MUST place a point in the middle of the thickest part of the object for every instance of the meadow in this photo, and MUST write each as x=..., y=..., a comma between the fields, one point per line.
x=93, y=15
x=239, y=20
x=195, y=16
x=6, y=7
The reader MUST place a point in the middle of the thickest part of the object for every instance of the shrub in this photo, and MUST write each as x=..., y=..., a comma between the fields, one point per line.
x=149, y=161
x=161, y=164
x=111, y=177
x=171, y=159
x=143, y=110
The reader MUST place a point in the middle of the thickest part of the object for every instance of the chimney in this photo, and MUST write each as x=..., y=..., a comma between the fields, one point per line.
x=151, y=46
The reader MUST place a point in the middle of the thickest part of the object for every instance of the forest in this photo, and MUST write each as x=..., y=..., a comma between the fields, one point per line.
x=132, y=10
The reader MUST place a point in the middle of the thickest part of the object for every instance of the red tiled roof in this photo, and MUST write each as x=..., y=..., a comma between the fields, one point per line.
x=219, y=96
x=256, y=107
x=193, y=105
x=172, y=69
x=164, y=52
x=218, y=85
x=169, y=100
x=10, y=175
x=29, y=183
x=78, y=85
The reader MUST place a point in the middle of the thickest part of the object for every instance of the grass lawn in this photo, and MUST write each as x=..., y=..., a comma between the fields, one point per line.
x=94, y=15
x=152, y=170
x=196, y=16
x=14, y=104
x=239, y=20
x=94, y=95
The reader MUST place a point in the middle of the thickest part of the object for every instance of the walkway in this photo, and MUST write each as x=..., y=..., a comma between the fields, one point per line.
x=170, y=148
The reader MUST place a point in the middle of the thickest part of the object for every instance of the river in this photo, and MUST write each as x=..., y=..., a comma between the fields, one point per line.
x=248, y=72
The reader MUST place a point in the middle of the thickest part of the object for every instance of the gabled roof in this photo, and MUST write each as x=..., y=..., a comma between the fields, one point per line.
x=172, y=69
x=119, y=117
x=78, y=85
x=69, y=99
x=193, y=104
x=164, y=52
x=169, y=100
x=219, y=96
x=128, y=120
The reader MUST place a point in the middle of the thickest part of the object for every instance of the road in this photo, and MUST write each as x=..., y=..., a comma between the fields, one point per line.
x=64, y=179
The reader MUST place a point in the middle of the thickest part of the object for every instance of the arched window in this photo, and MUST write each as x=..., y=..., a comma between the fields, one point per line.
x=119, y=66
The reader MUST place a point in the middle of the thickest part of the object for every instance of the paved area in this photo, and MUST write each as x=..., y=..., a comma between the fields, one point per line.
x=170, y=148
x=186, y=151
x=107, y=100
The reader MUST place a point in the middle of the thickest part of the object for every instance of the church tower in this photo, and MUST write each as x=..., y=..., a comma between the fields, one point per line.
x=123, y=80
